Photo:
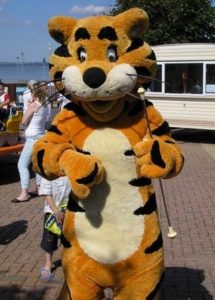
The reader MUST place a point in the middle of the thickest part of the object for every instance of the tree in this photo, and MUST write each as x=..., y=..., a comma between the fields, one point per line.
x=175, y=21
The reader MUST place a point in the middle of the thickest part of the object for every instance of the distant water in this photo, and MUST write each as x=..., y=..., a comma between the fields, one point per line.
x=15, y=72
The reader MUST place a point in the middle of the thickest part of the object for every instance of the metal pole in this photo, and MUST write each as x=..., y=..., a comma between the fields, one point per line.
x=171, y=233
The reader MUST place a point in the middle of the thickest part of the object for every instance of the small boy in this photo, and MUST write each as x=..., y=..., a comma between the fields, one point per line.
x=56, y=193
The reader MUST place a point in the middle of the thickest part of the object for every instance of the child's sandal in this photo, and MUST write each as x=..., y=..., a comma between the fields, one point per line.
x=46, y=275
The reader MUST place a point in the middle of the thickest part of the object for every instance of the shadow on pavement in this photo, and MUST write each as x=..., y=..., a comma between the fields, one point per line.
x=10, y=232
x=8, y=167
x=184, y=284
x=194, y=135
x=16, y=293
x=9, y=170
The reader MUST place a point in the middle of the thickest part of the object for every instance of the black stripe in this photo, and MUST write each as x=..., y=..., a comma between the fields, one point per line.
x=58, y=75
x=148, y=208
x=146, y=85
x=62, y=51
x=50, y=66
x=40, y=156
x=82, y=151
x=142, y=181
x=169, y=142
x=58, y=36
x=156, y=289
x=54, y=129
x=108, y=33
x=82, y=33
x=88, y=179
x=136, y=43
x=148, y=103
x=142, y=71
x=162, y=129
x=151, y=56
x=73, y=205
x=156, y=155
x=156, y=245
x=65, y=242
x=129, y=152
x=76, y=108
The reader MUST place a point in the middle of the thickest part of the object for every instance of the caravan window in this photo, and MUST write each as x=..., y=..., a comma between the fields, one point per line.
x=210, y=78
x=184, y=78
x=156, y=85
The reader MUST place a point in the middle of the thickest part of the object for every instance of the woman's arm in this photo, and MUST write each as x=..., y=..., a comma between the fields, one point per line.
x=32, y=108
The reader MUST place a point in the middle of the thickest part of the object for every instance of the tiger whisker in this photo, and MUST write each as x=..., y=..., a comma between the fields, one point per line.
x=43, y=84
x=152, y=78
x=50, y=98
x=55, y=80
x=131, y=95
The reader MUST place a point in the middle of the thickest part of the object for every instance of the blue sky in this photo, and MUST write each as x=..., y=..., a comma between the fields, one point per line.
x=23, y=25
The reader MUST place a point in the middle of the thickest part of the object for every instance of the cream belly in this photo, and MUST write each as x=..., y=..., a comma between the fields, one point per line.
x=109, y=231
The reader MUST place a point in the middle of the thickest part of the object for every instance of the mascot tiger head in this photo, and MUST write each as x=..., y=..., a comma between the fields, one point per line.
x=101, y=59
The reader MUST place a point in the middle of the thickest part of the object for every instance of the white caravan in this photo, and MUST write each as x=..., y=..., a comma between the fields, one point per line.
x=184, y=91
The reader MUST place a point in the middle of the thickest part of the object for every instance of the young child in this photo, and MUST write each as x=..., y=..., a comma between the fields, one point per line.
x=56, y=193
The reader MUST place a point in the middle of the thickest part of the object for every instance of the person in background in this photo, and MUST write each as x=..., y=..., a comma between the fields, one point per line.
x=27, y=95
x=56, y=193
x=4, y=105
x=62, y=101
x=20, y=100
x=47, y=91
x=34, y=120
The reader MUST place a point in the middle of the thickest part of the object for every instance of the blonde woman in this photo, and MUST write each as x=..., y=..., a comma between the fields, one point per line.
x=27, y=95
x=34, y=121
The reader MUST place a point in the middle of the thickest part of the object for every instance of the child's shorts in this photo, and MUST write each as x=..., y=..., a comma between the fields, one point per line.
x=49, y=240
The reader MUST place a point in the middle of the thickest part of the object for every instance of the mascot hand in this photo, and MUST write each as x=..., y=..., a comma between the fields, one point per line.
x=155, y=158
x=83, y=171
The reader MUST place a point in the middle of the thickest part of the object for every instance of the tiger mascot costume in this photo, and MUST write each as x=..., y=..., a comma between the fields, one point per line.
x=100, y=141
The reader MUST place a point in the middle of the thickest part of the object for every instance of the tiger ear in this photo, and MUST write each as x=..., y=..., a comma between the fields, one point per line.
x=134, y=22
x=60, y=28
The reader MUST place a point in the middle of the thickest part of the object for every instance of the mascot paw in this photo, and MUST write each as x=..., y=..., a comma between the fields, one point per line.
x=83, y=171
x=154, y=158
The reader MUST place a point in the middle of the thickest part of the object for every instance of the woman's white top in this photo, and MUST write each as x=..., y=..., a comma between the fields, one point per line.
x=27, y=98
x=37, y=124
x=59, y=189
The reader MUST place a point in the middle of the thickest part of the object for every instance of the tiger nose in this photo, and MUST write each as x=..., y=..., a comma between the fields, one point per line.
x=94, y=77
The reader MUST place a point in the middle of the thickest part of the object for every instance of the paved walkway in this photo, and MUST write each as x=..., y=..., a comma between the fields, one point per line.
x=190, y=258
